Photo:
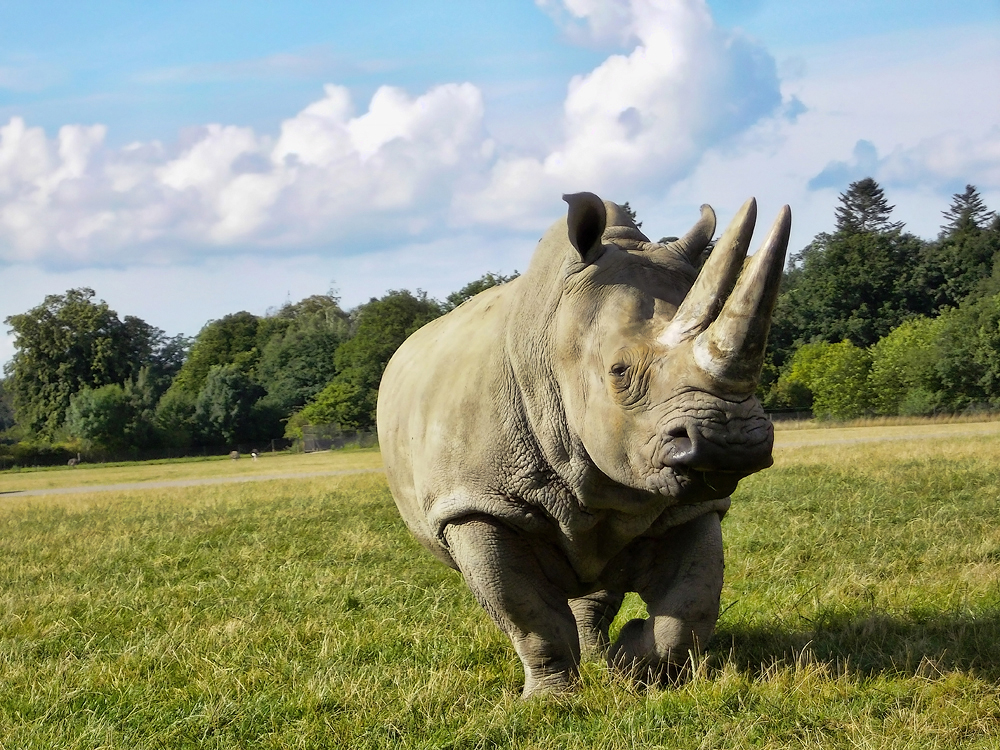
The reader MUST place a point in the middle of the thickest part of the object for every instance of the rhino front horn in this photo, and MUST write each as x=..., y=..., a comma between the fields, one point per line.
x=703, y=301
x=731, y=349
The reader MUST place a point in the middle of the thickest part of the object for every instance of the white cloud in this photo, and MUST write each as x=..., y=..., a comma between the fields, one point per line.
x=640, y=121
x=912, y=109
x=407, y=168
x=945, y=160
x=73, y=199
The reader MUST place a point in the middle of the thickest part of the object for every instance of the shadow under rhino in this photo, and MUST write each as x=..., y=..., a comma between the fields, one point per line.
x=869, y=643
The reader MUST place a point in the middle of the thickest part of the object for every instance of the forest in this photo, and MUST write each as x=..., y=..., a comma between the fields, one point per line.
x=871, y=320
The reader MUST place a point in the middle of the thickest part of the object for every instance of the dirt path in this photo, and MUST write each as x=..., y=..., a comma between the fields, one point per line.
x=844, y=436
x=181, y=483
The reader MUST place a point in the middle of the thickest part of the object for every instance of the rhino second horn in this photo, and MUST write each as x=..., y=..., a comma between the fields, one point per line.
x=706, y=297
x=731, y=350
x=697, y=238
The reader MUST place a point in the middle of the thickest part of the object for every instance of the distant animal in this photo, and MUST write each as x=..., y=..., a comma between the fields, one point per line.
x=253, y=455
x=234, y=455
x=73, y=462
x=575, y=434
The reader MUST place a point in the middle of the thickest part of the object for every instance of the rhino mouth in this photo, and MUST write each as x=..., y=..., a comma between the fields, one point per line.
x=694, y=486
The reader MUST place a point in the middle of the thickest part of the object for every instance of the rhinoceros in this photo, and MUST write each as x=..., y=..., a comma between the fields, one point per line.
x=576, y=433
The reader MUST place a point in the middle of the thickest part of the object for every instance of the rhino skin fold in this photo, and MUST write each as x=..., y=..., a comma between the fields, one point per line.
x=575, y=434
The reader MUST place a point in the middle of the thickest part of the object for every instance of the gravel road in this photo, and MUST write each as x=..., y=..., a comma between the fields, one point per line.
x=183, y=483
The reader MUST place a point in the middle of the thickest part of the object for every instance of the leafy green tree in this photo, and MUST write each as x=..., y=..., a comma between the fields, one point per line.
x=473, y=288
x=856, y=287
x=856, y=284
x=224, y=410
x=967, y=212
x=903, y=378
x=297, y=362
x=794, y=386
x=631, y=214
x=166, y=361
x=6, y=407
x=961, y=262
x=101, y=416
x=345, y=402
x=229, y=340
x=175, y=419
x=380, y=326
x=836, y=376
x=67, y=343
x=985, y=315
x=118, y=418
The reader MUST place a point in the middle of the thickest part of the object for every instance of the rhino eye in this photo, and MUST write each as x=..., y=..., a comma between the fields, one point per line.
x=619, y=370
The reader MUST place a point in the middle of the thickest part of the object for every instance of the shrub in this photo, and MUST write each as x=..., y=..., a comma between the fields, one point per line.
x=833, y=377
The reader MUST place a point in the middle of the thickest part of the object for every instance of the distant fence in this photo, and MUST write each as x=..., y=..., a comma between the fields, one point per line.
x=325, y=437
x=789, y=415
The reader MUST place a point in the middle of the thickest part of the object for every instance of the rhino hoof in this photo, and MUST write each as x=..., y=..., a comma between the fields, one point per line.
x=635, y=659
x=550, y=685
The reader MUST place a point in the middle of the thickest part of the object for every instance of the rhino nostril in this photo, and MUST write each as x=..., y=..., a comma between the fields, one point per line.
x=677, y=431
x=678, y=448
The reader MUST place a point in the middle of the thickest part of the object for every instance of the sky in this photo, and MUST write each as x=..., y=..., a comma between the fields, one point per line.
x=190, y=159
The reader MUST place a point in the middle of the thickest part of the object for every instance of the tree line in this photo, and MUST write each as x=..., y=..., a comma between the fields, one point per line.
x=82, y=379
x=870, y=320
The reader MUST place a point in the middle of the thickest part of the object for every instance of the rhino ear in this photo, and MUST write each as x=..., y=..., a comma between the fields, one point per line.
x=586, y=220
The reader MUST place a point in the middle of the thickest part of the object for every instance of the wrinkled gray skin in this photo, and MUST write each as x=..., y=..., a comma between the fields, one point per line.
x=575, y=434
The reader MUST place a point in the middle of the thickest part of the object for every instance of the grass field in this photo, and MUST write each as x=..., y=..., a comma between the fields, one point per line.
x=861, y=610
x=216, y=467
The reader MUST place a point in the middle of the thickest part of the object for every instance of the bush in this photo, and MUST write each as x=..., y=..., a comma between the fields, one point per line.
x=832, y=377
x=903, y=376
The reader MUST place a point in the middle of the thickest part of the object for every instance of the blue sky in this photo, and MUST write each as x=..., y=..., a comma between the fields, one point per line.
x=192, y=159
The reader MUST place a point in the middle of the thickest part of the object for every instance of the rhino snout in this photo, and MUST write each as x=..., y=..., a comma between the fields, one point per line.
x=706, y=434
x=696, y=460
x=692, y=446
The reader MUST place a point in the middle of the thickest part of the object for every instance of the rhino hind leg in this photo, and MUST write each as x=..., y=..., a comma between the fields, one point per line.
x=681, y=584
x=594, y=614
x=507, y=579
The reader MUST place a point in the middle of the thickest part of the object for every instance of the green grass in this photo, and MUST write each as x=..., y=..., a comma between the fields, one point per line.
x=861, y=610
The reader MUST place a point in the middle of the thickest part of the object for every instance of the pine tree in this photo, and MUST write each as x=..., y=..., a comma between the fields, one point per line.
x=863, y=208
x=631, y=214
x=967, y=211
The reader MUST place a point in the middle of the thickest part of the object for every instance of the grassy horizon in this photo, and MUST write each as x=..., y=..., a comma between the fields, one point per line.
x=861, y=609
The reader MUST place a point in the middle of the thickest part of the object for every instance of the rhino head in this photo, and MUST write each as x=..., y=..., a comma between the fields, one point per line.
x=657, y=362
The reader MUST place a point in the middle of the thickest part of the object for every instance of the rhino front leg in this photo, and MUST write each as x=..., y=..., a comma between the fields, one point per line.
x=681, y=584
x=504, y=573
x=594, y=614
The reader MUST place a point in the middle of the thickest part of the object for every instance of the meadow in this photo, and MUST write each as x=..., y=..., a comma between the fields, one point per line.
x=861, y=610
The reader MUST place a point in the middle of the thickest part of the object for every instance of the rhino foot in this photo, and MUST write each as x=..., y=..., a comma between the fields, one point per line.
x=539, y=683
x=638, y=660
x=681, y=585
x=503, y=572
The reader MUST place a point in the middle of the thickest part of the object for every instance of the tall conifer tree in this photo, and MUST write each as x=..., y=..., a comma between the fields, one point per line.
x=967, y=211
x=863, y=208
